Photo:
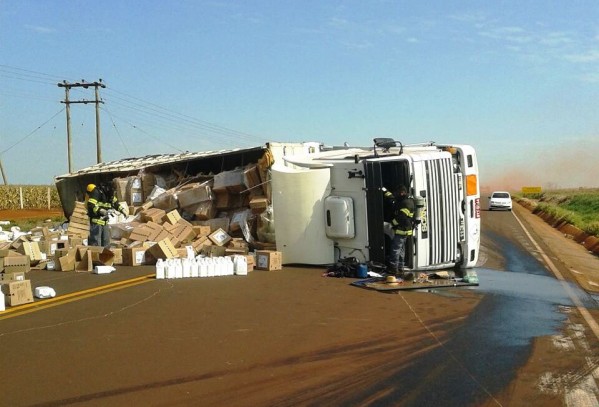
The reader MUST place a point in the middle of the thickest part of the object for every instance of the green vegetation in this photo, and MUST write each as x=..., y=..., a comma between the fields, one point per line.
x=28, y=224
x=579, y=207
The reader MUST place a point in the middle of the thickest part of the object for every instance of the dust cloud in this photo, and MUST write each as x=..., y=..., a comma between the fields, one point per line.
x=569, y=165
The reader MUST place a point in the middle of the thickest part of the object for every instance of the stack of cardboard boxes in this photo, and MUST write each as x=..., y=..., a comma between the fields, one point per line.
x=214, y=217
x=14, y=266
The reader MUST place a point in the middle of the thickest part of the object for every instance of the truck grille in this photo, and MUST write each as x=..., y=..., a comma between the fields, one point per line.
x=442, y=211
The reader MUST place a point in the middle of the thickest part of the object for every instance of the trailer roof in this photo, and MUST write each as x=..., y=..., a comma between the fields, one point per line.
x=138, y=163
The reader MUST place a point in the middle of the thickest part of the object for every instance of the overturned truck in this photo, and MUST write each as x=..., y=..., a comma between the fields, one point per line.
x=316, y=204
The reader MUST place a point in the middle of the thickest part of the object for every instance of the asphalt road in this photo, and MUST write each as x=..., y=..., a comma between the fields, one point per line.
x=293, y=337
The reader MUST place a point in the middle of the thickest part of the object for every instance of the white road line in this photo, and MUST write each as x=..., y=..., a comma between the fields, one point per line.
x=581, y=308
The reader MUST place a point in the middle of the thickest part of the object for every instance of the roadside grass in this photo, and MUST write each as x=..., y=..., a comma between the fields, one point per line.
x=29, y=223
x=579, y=207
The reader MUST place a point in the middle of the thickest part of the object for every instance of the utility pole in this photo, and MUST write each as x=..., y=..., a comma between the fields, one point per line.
x=2, y=171
x=67, y=87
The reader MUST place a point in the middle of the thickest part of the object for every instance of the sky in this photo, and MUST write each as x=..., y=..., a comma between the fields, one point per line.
x=518, y=80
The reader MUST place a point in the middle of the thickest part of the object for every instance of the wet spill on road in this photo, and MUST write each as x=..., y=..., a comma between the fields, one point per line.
x=483, y=356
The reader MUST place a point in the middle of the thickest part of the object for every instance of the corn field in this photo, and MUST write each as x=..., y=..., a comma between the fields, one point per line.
x=29, y=197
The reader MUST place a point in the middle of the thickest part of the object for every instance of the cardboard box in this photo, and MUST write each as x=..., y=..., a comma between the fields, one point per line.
x=17, y=292
x=32, y=250
x=173, y=217
x=233, y=181
x=86, y=263
x=134, y=192
x=237, y=243
x=230, y=251
x=155, y=231
x=251, y=178
x=75, y=241
x=148, y=181
x=152, y=215
x=219, y=237
x=183, y=233
x=162, y=235
x=215, y=224
x=225, y=199
x=269, y=260
x=79, y=221
x=205, y=210
x=4, y=249
x=118, y=255
x=258, y=204
x=103, y=258
x=48, y=247
x=194, y=195
x=65, y=259
x=120, y=187
x=140, y=233
x=134, y=256
x=164, y=249
x=17, y=264
x=201, y=230
x=62, y=244
x=200, y=243
x=167, y=201
x=213, y=251
x=18, y=276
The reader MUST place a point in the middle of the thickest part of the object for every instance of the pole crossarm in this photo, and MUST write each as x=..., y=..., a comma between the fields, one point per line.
x=83, y=84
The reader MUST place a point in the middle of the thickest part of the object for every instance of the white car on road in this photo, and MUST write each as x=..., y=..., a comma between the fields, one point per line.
x=500, y=200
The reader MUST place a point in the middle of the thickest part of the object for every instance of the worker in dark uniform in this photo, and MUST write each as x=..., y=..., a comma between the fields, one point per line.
x=98, y=204
x=403, y=227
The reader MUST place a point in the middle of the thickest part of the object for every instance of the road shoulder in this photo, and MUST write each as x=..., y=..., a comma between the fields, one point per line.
x=581, y=266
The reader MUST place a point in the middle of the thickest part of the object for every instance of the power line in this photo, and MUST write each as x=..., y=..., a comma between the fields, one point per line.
x=177, y=123
x=12, y=69
x=160, y=116
x=192, y=120
x=152, y=108
x=146, y=133
x=30, y=134
x=118, y=132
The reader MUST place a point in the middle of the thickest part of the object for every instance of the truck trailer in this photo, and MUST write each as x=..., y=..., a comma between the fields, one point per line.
x=328, y=203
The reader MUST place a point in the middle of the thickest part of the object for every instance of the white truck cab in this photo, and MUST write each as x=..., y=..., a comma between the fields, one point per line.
x=328, y=203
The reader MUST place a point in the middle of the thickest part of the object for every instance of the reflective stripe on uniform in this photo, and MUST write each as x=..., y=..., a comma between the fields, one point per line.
x=407, y=212
x=98, y=221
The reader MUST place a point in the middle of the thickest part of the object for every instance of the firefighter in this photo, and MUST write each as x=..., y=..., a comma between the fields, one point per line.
x=403, y=226
x=99, y=202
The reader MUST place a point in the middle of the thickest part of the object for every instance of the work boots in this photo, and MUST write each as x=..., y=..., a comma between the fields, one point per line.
x=404, y=275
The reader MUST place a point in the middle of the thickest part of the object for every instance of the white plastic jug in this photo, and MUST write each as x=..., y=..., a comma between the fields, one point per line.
x=241, y=266
x=211, y=267
x=178, y=268
x=160, y=269
x=203, y=268
x=230, y=266
x=195, y=268
x=186, y=268
x=170, y=268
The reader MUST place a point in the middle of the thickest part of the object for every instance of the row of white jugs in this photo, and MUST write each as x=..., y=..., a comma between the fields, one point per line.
x=201, y=267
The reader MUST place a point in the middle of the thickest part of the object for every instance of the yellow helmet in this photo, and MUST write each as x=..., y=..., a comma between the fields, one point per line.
x=91, y=187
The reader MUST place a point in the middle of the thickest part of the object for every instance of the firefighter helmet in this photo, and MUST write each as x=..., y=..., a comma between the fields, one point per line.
x=91, y=187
